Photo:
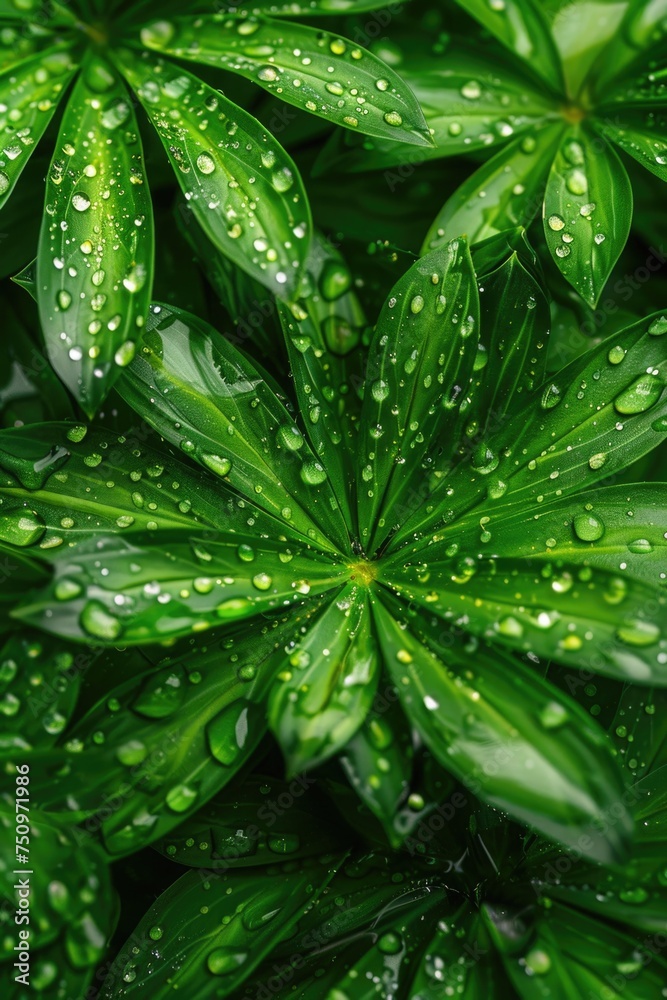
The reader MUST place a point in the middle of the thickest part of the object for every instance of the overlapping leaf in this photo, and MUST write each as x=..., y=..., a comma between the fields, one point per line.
x=502, y=730
x=242, y=186
x=320, y=72
x=522, y=27
x=160, y=745
x=202, y=394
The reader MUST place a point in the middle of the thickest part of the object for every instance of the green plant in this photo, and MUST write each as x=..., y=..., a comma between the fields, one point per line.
x=554, y=96
x=414, y=518
x=95, y=259
x=332, y=569
x=474, y=908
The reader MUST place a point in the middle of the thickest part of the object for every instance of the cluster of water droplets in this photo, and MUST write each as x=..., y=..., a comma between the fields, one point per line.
x=26, y=108
x=233, y=174
x=324, y=74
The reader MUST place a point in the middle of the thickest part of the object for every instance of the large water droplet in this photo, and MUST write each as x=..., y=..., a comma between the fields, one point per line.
x=644, y=392
x=588, y=528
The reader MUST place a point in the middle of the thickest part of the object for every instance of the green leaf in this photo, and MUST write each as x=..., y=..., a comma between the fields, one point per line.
x=510, y=736
x=257, y=821
x=322, y=700
x=627, y=523
x=39, y=685
x=295, y=62
x=505, y=192
x=469, y=103
x=81, y=484
x=640, y=33
x=473, y=978
x=95, y=261
x=514, y=331
x=202, y=394
x=30, y=94
x=229, y=922
x=251, y=307
x=72, y=906
x=591, y=420
x=323, y=335
x=589, y=619
x=311, y=8
x=575, y=955
x=173, y=585
x=587, y=211
x=242, y=186
x=421, y=357
x=157, y=747
x=522, y=27
x=378, y=760
x=638, y=134
x=29, y=389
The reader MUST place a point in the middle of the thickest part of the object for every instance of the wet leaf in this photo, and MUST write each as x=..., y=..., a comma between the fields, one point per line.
x=295, y=62
x=587, y=211
x=329, y=685
x=511, y=737
x=30, y=94
x=95, y=261
x=420, y=360
x=522, y=27
x=505, y=192
x=243, y=920
x=257, y=821
x=218, y=408
x=242, y=186
x=157, y=747
x=169, y=589
x=72, y=907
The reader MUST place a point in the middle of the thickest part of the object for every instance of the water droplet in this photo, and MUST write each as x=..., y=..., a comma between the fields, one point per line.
x=21, y=527
x=588, y=528
x=125, y=354
x=80, y=201
x=644, y=392
x=393, y=118
x=551, y=397
x=158, y=34
x=556, y=223
x=597, y=461
x=471, y=90
x=638, y=632
x=223, y=961
x=538, y=962
x=97, y=621
x=313, y=473
x=390, y=943
x=181, y=798
x=640, y=546
x=221, y=466
x=205, y=163
x=658, y=327
x=66, y=589
x=227, y=733
x=553, y=715
x=290, y=437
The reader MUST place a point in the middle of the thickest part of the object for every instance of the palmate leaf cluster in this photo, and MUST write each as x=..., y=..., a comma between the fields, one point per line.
x=558, y=103
x=95, y=257
x=333, y=616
